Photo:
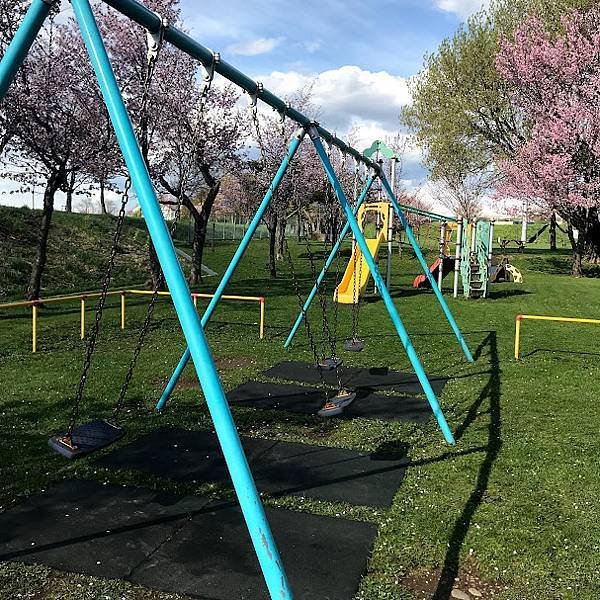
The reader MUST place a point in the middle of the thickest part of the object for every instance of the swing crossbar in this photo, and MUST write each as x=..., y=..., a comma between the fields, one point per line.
x=152, y=22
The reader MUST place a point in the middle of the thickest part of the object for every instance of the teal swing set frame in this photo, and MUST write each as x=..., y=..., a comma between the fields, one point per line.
x=192, y=327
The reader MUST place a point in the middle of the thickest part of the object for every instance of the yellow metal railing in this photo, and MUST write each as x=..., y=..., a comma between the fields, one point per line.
x=520, y=318
x=36, y=304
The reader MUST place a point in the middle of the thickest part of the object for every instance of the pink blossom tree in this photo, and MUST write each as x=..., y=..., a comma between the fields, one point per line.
x=304, y=194
x=188, y=149
x=556, y=81
x=200, y=147
x=128, y=45
x=55, y=125
x=11, y=15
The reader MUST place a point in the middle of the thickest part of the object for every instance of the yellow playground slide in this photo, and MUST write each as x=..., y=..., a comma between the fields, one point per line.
x=356, y=276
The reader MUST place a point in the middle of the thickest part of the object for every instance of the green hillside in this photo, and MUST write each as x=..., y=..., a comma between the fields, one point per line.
x=78, y=250
x=79, y=247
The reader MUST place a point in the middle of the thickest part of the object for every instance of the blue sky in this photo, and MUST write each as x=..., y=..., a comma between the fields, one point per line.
x=317, y=35
x=359, y=54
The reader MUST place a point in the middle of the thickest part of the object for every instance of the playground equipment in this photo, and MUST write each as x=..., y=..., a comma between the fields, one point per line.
x=193, y=328
x=476, y=256
x=520, y=318
x=473, y=259
x=356, y=276
x=444, y=264
x=501, y=270
x=481, y=268
x=520, y=244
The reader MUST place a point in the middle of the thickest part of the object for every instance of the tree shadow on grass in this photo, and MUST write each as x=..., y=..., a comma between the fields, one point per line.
x=491, y=394
x=551, y=265
x=500, y=294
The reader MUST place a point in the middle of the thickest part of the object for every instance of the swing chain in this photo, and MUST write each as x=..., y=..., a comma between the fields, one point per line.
x=337, y=272
x=202, y=101
x=356, y=284
x=327, y=336
x=207, y=81
x=255, y=120
x=154, y=44
x=311, y=340
x=93, y=335
x=281, y=123
x=286, y=248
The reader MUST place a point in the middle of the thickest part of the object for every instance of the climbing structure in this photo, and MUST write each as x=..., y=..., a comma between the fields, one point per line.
x=476, y=256
x=501, y=270
x=445, y=263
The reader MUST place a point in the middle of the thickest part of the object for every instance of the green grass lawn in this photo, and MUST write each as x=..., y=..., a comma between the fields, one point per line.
x=515, y=505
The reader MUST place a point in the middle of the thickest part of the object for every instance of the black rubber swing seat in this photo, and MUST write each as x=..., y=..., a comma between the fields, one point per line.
x=86, y=438
x=330, y=363
x=354, y=345
x=335, y=406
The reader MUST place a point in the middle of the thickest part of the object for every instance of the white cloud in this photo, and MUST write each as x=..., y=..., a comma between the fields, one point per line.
x=462, y=8
x=255, y=47
x=312, y=47
x=351, y=97
x=348, y=96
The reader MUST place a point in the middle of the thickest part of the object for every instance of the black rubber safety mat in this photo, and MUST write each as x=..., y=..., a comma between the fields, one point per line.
x=308, y=400
x=87, y=438
x=87, y=527
x=278, y=468
x=367, y=378
x=213, y=558
x=181, y=544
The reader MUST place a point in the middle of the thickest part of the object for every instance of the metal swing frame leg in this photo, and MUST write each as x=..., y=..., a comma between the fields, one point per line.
x=241, y=250
x=22, y=41
x=387, y=299
x=328, y=264
x=421, y=259
x=248, y=497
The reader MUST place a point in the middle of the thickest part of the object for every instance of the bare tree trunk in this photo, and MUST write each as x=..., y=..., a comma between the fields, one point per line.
x=586, y=246
x=201, y=218
x=156, y=281
x=70, y=189
x=553, y=231
x=281, y=238
x=54, y=183
x=102, y=198
x=271, y=222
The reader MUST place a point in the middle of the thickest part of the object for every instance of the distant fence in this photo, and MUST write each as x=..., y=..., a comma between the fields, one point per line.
x=224, y=231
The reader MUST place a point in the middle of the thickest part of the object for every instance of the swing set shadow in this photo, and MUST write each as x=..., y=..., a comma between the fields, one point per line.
x=490, y=394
